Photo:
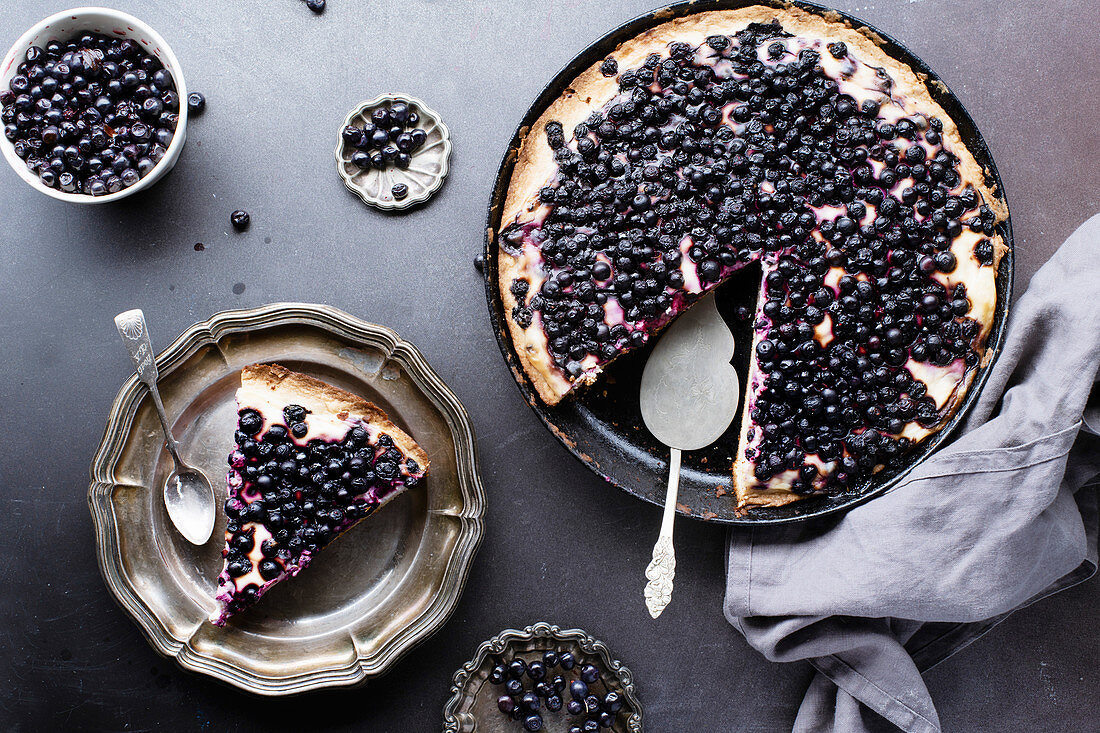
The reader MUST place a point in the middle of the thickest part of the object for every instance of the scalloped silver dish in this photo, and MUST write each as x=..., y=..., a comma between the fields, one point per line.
x=425, y=174
x=472, y=706
x=373, y=594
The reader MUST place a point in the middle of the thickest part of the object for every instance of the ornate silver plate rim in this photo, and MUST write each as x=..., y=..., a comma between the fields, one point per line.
x=360, y=668
x=415, y=196
x=453, y=721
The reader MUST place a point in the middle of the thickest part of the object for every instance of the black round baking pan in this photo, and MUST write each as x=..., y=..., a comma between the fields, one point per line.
x=602, y=426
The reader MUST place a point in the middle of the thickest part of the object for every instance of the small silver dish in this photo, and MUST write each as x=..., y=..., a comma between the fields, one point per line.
x=425, y=174
x=472, y=707
x=386, y=585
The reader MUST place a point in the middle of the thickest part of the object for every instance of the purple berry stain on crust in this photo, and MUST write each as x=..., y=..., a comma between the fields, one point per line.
x=748, y=149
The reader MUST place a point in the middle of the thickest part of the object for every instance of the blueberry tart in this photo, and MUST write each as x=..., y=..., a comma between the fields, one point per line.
x=311, y=461
x=789, y=145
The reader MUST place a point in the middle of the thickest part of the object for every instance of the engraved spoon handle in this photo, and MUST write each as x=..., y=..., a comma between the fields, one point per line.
x=662, y=568
x=131, y=327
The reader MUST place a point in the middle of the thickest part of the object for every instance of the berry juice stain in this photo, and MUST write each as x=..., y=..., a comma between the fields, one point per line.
x=238, y=288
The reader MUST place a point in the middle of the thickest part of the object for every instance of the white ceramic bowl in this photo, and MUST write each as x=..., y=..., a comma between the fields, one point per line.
x=62, y=26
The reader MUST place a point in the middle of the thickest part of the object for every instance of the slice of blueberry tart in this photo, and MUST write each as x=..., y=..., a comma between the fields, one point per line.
x=791, y=143
x=311, y=461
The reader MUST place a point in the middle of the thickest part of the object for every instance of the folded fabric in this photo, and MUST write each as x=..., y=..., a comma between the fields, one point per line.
x=1002, y=516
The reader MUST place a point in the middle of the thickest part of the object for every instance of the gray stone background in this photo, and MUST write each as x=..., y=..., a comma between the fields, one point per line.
x=561, y=544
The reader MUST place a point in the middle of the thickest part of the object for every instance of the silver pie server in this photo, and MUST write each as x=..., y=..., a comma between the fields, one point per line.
x=188, y=495
x=689, y=396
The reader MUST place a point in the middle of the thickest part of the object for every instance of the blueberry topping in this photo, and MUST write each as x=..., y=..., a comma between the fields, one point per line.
x=687, y=175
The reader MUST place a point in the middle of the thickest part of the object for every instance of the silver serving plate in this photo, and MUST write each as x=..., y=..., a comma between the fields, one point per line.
x=425, y=173
x=472, y=707
x=373, y=594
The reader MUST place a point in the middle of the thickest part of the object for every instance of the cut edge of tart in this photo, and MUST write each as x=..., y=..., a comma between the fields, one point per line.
x=311, y=461
x=862, y=72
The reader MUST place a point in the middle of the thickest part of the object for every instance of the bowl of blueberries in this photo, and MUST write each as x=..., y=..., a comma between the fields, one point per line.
x=393, y=151
x=543, y=678
x=93, y=104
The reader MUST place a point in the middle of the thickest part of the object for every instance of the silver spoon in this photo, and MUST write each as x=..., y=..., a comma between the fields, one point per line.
x=689, y=396
x=188, y=496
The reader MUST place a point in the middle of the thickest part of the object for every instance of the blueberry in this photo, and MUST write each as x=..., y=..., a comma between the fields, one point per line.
x=530, y=702
x=317, y=6
x=554, y=703
x=592, y=703
x=532, y=723
x=401, y=191
x=196, y=103
x=612, y=702
x=418, y=137
x=413, y=119
x=399, y=112
x=352, y=135
x=269, y=569
x=381, y=117
x=360, y=159
x=506, y=704
x=377, y=160
x=404, y=142
x=558, y=683
x=567, y=661
x=536, y=670
x=606, y=719
x=574, y=707
x=550, y=659
x=517, y=668
x=544, y=689
x=380, y=138
x=578, y=690
x=240, y=220
x=250, y=422
x=152, y=107
x=590, y=726
x=589, y=673
x=479, y=262
x=402, y=160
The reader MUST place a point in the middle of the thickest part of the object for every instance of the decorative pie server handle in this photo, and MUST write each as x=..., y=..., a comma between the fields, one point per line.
x=131, y=327
x=662, y=568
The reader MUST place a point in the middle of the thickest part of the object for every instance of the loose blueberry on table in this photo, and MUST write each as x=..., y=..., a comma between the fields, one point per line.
x=825, y=164
x=240, y=220
x=91, y=115
x=311, y=461
x=196, y=103
x=390, y=137
x=586, y=710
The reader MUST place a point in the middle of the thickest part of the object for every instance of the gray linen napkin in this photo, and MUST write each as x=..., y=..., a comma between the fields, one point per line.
x=1001, y=517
